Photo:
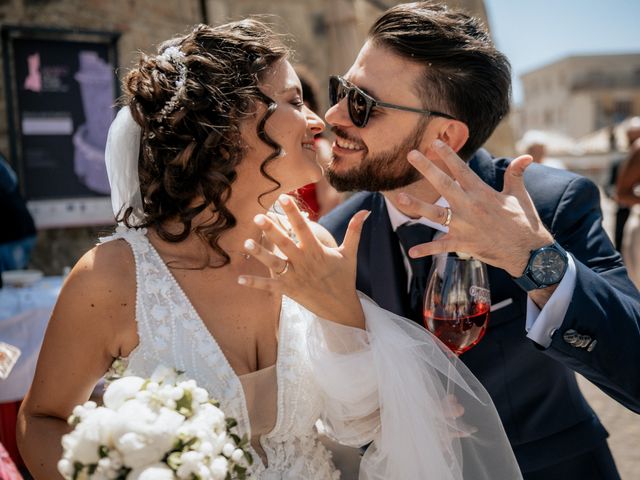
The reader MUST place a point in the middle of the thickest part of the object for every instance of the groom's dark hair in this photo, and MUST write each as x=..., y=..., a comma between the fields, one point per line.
x=464, y=74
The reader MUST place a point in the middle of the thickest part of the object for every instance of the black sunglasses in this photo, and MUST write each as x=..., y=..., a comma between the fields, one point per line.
x=360, y=104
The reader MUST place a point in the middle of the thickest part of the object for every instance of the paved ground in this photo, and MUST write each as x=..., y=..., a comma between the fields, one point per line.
x=623, y=426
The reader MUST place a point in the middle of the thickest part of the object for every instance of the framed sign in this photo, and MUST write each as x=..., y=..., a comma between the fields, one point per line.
x=61, y=90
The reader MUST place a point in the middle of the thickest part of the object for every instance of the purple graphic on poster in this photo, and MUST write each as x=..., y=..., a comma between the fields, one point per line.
x=33, y=81
x=96, y=89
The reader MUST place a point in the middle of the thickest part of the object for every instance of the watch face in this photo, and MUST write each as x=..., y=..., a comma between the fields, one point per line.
x=548, y=267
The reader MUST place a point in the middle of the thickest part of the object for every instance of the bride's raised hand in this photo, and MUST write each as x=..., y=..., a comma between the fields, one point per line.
x=322, y=278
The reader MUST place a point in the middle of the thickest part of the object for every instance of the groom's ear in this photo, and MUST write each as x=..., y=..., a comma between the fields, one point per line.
x=455, y=134
x=452, y=132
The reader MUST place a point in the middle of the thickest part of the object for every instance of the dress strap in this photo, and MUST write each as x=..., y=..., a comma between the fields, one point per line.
x=130, y=234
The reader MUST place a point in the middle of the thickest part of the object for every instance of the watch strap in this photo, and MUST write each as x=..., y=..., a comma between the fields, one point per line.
x=525, y=283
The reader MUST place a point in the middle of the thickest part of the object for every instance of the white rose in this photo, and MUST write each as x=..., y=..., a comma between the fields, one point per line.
x=144, y=437
x=137, y=452
x=237, y=455
x=203, y=472
x=189, y=464
x=205, y=448
x=121, y=390
x=228, y=449
x=219, y=467
x=99, y=423
x=210, y=417
x=157, y=471
x=200, y=395
x=65, y=467
x=83, y=443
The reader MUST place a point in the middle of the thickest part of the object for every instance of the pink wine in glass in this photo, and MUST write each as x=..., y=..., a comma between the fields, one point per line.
x=459, y=333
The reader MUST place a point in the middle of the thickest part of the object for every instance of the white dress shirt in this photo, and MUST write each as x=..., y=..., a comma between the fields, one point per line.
x=540, y=324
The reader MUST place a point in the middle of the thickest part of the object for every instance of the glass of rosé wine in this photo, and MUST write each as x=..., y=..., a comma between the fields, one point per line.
x=457, y=301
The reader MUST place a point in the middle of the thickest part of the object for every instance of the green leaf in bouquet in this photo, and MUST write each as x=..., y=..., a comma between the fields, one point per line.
x=74, y=420
x=103, y=451
x=183, y=406
x=173, y=460
x=241, y=473
x=77, y=468
x=189, y=443
x=123, y=473
x=231, y=422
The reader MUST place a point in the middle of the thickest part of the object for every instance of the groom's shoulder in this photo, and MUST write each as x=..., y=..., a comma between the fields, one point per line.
x=337, y=220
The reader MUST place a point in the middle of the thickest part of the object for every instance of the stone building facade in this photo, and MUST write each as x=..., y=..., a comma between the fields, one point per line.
x=580, y=94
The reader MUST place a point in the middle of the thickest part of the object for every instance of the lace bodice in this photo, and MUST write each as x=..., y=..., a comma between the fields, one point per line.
x=171, y=333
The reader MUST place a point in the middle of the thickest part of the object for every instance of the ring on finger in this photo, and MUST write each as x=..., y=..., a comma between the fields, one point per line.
x=447, y=220
x=284, y=270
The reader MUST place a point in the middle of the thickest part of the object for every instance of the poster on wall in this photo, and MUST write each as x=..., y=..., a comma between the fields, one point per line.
x=62, y=90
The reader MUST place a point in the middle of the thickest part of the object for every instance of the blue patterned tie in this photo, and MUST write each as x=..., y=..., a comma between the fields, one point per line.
x=410, y=235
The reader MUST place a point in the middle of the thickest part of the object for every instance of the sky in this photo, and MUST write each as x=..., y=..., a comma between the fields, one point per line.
x=533, y=33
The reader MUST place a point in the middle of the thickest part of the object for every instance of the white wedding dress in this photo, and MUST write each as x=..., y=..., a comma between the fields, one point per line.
x=389, y=384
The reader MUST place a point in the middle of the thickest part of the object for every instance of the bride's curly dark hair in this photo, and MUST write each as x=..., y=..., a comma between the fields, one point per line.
x=191, y=142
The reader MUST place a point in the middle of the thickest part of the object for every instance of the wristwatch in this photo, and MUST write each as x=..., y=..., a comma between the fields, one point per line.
x=546, y=267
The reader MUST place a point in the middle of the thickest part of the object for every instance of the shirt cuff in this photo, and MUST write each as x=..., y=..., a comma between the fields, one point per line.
x=542, y=324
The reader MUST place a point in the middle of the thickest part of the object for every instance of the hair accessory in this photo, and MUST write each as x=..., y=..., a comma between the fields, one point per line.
x=121, y=158
x=176, y=57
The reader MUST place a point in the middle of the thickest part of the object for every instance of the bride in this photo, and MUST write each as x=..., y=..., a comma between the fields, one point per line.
x=214, y=131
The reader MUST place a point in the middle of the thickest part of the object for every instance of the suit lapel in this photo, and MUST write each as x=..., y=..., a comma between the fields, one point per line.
x=387, y=276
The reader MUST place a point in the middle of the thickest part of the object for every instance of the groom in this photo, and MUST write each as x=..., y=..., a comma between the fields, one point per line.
x=562, y=300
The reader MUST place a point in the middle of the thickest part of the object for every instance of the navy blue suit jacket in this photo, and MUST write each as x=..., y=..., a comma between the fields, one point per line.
x=534, y=390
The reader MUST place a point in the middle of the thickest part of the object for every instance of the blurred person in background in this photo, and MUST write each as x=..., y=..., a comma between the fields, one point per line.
x=622, y=210
x=538, y=152
x=18, y=232
x=628, y=196
x=319, y=198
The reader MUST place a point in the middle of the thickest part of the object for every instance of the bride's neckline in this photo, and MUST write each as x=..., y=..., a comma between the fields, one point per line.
x=198, y=319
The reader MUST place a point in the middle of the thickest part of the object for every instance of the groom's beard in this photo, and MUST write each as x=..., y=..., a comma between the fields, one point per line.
x=380, y=172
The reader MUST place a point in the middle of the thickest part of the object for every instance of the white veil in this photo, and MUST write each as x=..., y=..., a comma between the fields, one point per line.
x=121, y=159
x=397, y=385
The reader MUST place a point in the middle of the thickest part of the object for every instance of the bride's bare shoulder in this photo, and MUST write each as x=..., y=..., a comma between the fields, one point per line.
x=107, y=264
x=101, y=289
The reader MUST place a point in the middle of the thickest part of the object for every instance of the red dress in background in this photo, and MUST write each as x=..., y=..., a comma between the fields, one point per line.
x=308, y=200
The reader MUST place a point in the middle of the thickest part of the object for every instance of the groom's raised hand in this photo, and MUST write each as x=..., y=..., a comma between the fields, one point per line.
x=498, y=228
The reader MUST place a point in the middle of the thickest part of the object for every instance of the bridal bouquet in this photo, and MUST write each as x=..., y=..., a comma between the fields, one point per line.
x=161, y=428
